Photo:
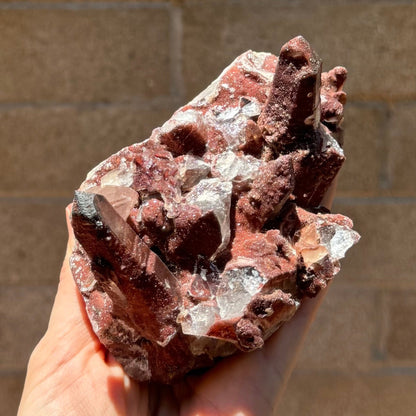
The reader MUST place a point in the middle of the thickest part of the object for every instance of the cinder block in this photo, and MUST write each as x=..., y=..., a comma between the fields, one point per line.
x=205, y=53
x=394, y=394
x=34, y=240
x=327, y=395
x=11, y=387
x=402, y=149
x=363, y=150
x=101, y=55
x=373, y=40
x=24, y=315
x=385, y=256
x=90, y=4
x=401, y=329
x=343, y=334
x=49, y=151
x=316, y=394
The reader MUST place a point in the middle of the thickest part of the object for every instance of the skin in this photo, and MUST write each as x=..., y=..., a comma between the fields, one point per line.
x=70, y=373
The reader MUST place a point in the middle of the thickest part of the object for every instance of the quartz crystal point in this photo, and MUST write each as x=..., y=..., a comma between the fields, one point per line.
x=204, y=239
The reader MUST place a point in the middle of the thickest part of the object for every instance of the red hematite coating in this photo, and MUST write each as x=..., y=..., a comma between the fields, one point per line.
x=205, y=238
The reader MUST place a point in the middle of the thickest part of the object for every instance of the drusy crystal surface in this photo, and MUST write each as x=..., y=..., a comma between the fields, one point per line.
x=204, y=239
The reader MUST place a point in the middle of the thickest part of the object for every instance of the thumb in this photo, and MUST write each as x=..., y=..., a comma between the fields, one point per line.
x=329, y=196
x=69, y=320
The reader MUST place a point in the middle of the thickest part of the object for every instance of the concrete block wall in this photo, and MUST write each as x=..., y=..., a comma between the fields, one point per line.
x=81, y=79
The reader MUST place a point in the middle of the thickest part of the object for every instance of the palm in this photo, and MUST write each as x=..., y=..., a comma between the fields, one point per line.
x=70, y=372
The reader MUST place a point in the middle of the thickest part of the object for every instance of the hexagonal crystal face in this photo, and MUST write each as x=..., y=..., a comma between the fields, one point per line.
x=337, y=240
x=214, y=195
x=237, y=288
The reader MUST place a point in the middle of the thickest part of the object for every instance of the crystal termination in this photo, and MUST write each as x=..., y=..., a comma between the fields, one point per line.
x=204, y=239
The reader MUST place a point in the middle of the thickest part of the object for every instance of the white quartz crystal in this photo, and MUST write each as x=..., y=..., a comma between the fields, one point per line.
x=188, y=117
x=191, y=170
x=198, y=319
x=214, y=195
x=237, y=288
x=337, y=239
x=250, y=109
x=118, y=177
x=237, y=168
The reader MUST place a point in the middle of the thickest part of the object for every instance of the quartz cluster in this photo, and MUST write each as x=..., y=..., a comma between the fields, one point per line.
x=204, y=239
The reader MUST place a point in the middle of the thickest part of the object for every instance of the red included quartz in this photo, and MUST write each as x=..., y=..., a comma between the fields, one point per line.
x=205, y=238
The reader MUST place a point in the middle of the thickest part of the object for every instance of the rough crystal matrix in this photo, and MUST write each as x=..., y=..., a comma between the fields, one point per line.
x=205, y=238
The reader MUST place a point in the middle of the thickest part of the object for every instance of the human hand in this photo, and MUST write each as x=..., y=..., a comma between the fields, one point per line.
x=71, y=373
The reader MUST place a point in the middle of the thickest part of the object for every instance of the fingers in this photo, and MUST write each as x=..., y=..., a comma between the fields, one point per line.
x=284, y=347
x=329, y=196
x=68, y=314
x=71, y=237
x=252, y=383
x=67, y=284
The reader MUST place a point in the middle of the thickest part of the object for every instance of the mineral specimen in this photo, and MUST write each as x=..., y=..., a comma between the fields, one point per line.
x=205, y=238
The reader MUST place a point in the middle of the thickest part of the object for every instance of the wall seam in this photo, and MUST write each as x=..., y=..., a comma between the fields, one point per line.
x=78, y=6
x=177, y=87
x=160, y=102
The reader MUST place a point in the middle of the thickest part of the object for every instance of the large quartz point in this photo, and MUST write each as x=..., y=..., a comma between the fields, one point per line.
x=205, y=238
